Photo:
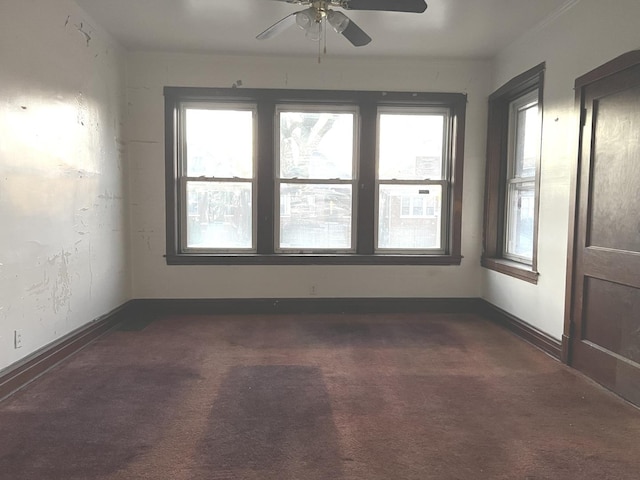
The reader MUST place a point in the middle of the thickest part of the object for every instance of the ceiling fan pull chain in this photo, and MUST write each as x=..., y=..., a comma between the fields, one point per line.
x=324, y=33
x=323, y=37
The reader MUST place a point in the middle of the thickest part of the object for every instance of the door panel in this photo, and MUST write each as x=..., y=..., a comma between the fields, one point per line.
x=616, y=172
x=618, y=333
x=605, y=281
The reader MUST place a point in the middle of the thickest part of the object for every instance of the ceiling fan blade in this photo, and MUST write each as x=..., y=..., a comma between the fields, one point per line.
x=410, y=6
x=356, y=35
x=278, y=27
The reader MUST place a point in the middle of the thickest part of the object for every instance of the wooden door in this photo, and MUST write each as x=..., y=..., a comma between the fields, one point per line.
x=604, y=283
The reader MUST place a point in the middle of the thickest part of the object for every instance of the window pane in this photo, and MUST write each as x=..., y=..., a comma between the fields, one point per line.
x=405, y=206
x=219, y=143
x=520, y=216
x=315, y=216
x=316, y=145
x=219, y=215
x=418, y=206
x=527, y=141
x=410, y=147
x=418, y=227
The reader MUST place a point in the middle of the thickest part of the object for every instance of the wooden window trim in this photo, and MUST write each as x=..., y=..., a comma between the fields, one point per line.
x=495, y=176
x=267, y=99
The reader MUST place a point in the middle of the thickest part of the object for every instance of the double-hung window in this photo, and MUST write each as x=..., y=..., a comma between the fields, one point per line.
x=316, y=178
x=512, y=188
x=259, y=176
x=217, y=177
x=412, y=179
x=522, y=161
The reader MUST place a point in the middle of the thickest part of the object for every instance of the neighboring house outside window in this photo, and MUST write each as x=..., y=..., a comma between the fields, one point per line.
x=296, y=176
x=512, y=186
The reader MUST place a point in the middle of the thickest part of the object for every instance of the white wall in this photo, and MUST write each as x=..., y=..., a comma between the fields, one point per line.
x=584, y=37
x=63, y=210
x=150, y=72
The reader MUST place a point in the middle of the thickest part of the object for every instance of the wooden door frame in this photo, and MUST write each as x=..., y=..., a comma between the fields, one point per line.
x=617, y=65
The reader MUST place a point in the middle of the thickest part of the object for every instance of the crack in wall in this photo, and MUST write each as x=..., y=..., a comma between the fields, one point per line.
x=61, y=290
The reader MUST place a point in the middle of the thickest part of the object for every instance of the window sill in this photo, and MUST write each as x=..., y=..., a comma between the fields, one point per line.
x=311, y=259
x=513, y=269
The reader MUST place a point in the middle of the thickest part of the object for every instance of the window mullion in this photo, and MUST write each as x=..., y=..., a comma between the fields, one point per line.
x=366, y=190
x=266, y=188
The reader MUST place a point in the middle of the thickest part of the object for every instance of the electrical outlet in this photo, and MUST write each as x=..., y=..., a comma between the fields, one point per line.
x=313, y=290
x=17, y=339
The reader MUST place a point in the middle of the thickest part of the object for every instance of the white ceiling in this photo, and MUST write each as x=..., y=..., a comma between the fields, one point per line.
x=449, y=28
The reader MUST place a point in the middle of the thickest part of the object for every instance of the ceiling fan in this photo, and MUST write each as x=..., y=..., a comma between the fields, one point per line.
x=313, y=18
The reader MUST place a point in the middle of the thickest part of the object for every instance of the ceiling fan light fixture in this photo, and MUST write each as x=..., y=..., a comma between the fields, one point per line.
x=305, y=18
x=314, y=32
x=338, y=20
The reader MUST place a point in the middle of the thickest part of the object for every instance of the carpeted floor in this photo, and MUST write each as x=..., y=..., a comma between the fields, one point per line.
x=311, y=397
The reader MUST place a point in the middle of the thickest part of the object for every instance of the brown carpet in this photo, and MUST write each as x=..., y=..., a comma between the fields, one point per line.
x=310, y=397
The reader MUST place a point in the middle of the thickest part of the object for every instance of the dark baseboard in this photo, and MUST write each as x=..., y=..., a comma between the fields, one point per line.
x=18, y=375
x=135, y=314
x=525, y=331
x=154, y=307
x=151, y=308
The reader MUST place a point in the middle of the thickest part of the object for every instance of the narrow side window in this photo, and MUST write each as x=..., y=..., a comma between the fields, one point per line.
x=512, y=186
